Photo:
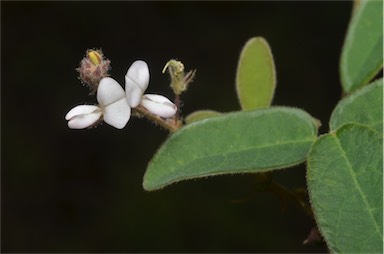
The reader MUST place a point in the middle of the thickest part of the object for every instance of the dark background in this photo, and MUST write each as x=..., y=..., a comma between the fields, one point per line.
x=80, y=190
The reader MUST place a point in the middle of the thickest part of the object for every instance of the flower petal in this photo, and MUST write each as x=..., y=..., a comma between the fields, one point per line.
x=109, y=91
x=81, y=110
x=139, y=73
x=133, y=93
x=118, y=113
x=83, y=116
x=136, y=82
x=159, y=105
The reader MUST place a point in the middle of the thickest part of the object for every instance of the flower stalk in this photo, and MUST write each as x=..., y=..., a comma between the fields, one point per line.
x=143, y=112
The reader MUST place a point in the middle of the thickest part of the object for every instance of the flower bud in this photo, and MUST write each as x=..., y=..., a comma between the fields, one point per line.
x=179, y=80
x=94, y=57
x=93, y=67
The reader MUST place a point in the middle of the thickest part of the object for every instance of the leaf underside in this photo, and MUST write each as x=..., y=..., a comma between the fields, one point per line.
x=200, y=115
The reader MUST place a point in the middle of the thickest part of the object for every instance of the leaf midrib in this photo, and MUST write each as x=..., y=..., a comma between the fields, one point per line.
x=312, y=139
x=353, y=175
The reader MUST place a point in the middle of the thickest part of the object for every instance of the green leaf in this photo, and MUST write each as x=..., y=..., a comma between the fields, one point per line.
x=362, y=54
x=365, y=106
x=256, y=78
x=239, y=142
x=345, y=173
x=355, y=6
x=200, y=115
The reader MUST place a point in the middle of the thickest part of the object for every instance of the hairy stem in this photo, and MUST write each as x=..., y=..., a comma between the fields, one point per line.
x=177, y=103
x=157, y=120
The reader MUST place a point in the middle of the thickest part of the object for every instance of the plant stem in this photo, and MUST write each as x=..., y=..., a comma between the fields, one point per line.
x=177, y=103
x=158, y=120
x=288, y=194
x=282, y=192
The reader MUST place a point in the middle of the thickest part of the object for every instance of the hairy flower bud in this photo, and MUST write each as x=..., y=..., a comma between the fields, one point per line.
x=179, y=80
x=93, y=67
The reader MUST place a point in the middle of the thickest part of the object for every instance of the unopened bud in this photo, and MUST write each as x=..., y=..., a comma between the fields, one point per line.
x=93, y=67
x=179, y=80
x=95, y=57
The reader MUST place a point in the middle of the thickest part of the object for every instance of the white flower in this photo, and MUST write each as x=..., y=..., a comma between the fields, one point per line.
x=115, y=103
x=136, y=82
x=114, y=108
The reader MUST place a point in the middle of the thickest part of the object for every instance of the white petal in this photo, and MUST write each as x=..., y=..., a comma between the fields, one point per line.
x=81, y=110
x=139, y=73
x=136, y=82
x=117, y=114
x=109, y=91
x=83, y=116
x=159, y=105
x=133, y=92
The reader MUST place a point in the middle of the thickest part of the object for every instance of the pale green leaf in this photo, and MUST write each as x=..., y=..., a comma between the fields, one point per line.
x=200, y=114
x=345, y=182
x=365, y=106
x=362, y=54
x=238, y=142
x=256, y=78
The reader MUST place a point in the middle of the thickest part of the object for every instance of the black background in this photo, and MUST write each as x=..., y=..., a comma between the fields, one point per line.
x=80, y=190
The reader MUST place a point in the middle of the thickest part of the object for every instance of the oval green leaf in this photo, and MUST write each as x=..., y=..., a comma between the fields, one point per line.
x=200, y=115
x=365, y=106
x=238, y=142
x=362, y=54
x=255, y=78
x=345, y=182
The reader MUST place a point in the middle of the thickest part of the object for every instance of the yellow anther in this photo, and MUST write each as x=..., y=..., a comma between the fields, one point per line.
x=94, y=57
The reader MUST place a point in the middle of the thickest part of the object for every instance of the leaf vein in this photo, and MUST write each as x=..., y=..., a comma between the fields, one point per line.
x=353, y=175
